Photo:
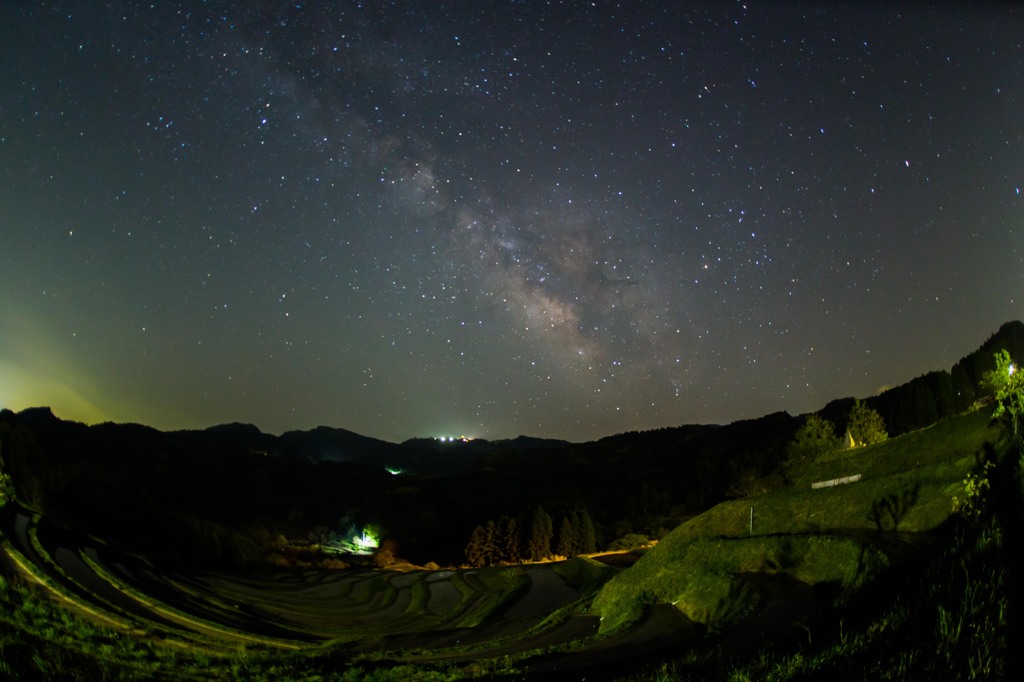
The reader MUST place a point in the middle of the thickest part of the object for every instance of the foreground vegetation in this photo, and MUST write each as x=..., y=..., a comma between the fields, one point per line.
x=945, y=616
x=41, y=638
x=816, y=536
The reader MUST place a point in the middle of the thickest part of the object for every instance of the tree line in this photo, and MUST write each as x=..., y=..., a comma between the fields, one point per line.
x=510, y=540
x=926, y=399
x=817, y=436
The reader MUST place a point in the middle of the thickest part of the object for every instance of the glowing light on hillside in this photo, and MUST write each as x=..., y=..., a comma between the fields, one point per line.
x=366, y=542
x=394, y=471
x=356, y=542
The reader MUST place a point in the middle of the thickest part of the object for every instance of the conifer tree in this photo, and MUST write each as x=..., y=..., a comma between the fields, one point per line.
x=512, y=541
x=576, y=524
x=492, y=544
x=942, y=389
x=588, y=542
x=541, y=532
x=475, y=548
x=566, y=546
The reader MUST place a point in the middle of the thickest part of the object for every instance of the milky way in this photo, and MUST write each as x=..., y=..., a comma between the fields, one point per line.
x=488, y=219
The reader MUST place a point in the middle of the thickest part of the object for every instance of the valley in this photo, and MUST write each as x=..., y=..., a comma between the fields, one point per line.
x=776, y=572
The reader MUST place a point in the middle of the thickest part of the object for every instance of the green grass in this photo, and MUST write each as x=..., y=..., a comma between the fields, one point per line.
x=943, y=443
x=947, y=621
x=584, y=575
x=908, y=484
x=700, y=578
x=419, y=599
x=496, y=587
x=941, y=617
x=42, y=639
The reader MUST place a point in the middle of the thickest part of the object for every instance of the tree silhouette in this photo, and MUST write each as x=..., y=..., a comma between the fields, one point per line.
x=511, y=540
x=588, y=535
x=541, y=533
x=492, y=544
x=963, y=389
x=566, y=544
x=475, y=550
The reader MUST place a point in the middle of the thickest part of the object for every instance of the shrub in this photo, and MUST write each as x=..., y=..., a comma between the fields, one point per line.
x=866, y=425
x=816, y=437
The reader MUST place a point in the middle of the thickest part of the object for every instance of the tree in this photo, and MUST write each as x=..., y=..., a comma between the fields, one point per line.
x=511, y=540
x=815, y=437
x=649, y=501
x=384, y=556
x=925, y=411
x=492, y=544
x=566, y=545
x=485, y=546
x=577, y=532
x=541, y=532
x=629, y=541
x=866, y=425
x=475, y=552
x=588, y=541
x=1007, y=384
x=6, y=488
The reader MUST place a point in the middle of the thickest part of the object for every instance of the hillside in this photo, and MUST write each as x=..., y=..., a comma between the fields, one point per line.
x=219, y=538
x=826, y=535
x=222, y=495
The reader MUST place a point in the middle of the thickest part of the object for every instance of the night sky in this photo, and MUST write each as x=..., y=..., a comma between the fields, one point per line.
x=500, y=218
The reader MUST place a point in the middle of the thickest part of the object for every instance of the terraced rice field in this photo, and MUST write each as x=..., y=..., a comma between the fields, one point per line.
x=412, y=616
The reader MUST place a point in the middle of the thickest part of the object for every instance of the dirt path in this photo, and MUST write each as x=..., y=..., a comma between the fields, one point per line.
x=547, y=593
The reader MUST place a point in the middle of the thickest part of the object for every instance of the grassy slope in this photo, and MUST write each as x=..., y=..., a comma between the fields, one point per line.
x=908, y=484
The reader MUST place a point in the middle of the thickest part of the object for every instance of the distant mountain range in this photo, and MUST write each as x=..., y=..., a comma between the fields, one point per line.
x=216, y=494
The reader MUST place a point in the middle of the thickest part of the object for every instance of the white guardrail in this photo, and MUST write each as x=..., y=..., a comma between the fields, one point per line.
x=836, y=481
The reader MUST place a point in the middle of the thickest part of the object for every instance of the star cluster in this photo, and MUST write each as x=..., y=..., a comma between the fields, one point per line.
x=560, y=219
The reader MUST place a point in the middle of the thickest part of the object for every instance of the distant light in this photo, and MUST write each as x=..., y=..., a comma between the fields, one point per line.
x=365, y=542
x=355, y=542
x=1012, y=369
x=452, y=439
x=394, y=471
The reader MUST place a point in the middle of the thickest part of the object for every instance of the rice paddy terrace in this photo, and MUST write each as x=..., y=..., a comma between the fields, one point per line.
x=413, y=616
